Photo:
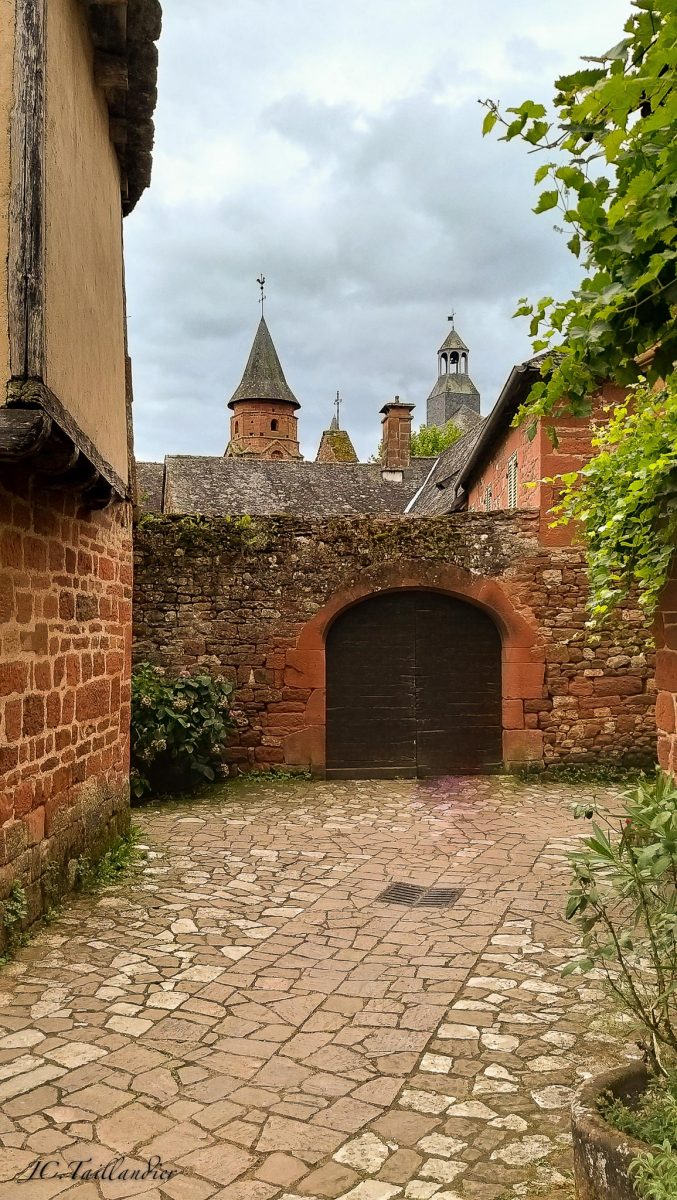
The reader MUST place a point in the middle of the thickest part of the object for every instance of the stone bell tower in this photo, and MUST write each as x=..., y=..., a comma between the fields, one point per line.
x=454, y=396
x=263, y=422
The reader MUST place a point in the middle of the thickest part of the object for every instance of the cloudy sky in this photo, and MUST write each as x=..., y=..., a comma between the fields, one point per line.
x=337, y=148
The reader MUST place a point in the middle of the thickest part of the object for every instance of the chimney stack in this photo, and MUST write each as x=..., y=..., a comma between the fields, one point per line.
x=396, y=438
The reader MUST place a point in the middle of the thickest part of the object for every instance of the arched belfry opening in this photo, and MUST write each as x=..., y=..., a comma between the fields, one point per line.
x=413, y=688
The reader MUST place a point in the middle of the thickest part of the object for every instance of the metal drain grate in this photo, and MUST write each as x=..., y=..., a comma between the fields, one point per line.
x=414, y=896
x=440, y=897
x=402, y=893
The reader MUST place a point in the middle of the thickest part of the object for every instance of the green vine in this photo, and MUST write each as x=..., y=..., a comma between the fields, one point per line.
x=625, y=500
x=611, y=177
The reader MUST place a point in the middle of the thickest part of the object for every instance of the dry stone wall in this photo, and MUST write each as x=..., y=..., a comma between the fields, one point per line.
x=235, y=596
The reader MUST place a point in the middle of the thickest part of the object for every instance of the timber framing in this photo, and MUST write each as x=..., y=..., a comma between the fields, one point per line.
x=26, y=213
x=37, y=433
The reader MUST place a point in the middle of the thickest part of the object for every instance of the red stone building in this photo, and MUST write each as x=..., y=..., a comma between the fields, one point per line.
x=264, y=423
x=77, y=92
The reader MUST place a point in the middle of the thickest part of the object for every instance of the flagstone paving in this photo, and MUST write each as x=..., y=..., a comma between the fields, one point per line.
x=245, y=1008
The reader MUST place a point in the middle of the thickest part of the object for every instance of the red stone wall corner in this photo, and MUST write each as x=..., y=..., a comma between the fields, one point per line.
x=666, y=675
x=65, y=658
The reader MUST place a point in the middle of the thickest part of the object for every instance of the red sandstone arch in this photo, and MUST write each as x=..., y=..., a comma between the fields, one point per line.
x=523, y=655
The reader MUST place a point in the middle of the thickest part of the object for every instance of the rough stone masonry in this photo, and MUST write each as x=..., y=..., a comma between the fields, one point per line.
x=253, y=600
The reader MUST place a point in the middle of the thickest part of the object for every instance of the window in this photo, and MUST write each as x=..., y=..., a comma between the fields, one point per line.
x=273, y=426
x=512, y=482
x=487, y=499
x=236, y=426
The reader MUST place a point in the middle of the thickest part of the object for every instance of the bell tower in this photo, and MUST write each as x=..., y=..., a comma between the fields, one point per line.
x=263, y=422
x=454, y=395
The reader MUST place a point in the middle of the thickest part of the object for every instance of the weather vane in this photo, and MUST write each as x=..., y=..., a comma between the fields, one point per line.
x=337, y=405
x=451, y=318
x=262, y=283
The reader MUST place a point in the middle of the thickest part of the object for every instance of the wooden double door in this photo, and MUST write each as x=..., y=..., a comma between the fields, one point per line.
x=413, y=688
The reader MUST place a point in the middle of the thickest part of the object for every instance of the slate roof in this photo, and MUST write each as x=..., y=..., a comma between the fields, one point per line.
x=453, y=342
x=263, y=377
x=466, y=418
x=461, y=385
x=149, y=483
x=230, y=486
x=438, y=493
x=336, y=446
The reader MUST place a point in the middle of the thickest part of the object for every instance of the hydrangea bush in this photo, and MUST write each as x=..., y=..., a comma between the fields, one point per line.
x=179, y=728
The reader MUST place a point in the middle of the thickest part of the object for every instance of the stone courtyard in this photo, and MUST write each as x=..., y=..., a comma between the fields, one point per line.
x=246, y=1008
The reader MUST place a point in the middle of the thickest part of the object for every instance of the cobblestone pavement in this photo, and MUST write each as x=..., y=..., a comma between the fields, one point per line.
x=248, y=1010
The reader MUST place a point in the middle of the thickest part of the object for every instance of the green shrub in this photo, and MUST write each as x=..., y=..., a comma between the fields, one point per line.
x=179, y=726
x=624, y=900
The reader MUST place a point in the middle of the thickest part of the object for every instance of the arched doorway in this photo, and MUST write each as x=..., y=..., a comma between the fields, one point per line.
x=413, y=688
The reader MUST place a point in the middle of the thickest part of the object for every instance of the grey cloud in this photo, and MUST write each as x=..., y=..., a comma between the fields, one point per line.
x=369, y=222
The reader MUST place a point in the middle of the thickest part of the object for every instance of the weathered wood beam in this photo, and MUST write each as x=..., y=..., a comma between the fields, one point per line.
x=23, y=433
x=26, y=249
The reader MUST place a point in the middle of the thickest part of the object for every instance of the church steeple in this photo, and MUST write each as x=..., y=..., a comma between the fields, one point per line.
x=454, y=396
x=264, y=423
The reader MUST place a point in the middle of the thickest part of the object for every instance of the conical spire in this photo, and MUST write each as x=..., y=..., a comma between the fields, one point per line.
x=263, y=377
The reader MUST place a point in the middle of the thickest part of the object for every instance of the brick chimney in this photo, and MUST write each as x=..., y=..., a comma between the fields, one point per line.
x=396, y=437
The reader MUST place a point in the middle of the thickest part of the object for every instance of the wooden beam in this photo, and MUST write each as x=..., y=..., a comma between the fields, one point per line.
x=23, y=433
x=26, y=209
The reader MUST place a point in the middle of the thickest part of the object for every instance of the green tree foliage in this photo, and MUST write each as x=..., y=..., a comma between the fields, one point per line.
x=430, y=440
x=611, y=175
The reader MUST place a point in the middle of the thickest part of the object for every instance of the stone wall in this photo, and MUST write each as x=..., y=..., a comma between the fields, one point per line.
x=254, y=599
x=666, y=675
x=65, y=651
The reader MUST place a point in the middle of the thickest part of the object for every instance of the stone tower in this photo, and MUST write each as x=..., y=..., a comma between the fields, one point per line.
x=454, y=396
x=263, y=422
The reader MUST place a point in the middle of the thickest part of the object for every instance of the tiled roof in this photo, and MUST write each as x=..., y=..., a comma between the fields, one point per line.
x=263, y=377
x=438, y=493
x=149, y=483
x=230, y=486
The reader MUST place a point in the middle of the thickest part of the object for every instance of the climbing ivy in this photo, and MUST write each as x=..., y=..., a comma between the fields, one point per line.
x=625, y=499
x=611, y=174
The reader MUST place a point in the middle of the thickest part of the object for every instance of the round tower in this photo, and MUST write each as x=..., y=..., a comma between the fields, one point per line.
x=263, y=422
